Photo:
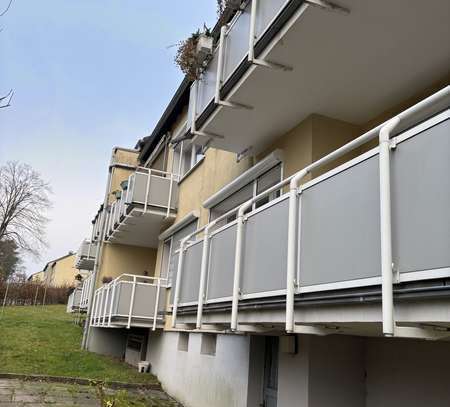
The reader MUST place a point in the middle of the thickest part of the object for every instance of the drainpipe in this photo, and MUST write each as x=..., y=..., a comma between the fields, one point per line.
x=386, y=227
x=238, y=263
x=292, y=247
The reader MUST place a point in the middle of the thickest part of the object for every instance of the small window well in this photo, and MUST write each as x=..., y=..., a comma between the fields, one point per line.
x=183, y=341
x=209, y=342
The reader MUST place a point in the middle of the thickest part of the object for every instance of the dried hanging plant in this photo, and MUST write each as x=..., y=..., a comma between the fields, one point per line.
x=187, y=57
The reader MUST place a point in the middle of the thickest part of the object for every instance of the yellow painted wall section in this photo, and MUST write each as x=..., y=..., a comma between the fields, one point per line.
x=217, y=169
x=38, y=277
x=120, y=259
x=125, y=156
x=328, y=135
x=296, y=145
x=62, y=273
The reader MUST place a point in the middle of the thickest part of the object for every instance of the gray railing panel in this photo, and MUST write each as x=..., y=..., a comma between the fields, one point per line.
x=265, y=250
x=266, y=12
x=122, y=298
x=139, y=187
x=236, y=44
x=421, y=200
x=159, y=191
x=221, y=263
x=191, y=273
x=340, y=226
x=144, y=300
x=207, y=84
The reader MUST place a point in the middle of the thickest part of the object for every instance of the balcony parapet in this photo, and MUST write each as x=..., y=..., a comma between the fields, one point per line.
x=148, y=199
x=338, y=231
x=130, y=301
x=86, y=253
x=74, y=301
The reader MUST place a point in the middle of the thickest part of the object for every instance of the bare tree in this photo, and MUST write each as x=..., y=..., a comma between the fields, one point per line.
x=5, y=100
x=24, y=200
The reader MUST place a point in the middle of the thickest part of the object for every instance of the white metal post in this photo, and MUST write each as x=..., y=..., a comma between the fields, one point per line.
x=155, y=314
x=386, y=227
x=169, y=204
x=112, y=301
x=178, y=282
x=203, y=275
x=106, y=304
x=238, y=263
x=292, y=248
x=133, y=292
x=147, y=189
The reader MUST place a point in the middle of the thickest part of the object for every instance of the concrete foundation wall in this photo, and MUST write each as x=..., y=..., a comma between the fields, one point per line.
x=407, y=373
x=105, y=341
x=200, y=380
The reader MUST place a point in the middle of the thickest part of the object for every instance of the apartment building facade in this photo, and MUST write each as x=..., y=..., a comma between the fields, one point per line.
x=282, y=236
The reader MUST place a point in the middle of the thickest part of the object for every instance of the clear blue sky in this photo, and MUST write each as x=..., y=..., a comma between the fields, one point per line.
x=88, y=75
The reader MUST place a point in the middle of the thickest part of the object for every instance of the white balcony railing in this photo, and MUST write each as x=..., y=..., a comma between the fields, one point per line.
x=74, y=301
x=384, y=211
x=130, y=300
x=85, y=290
x=151, y=195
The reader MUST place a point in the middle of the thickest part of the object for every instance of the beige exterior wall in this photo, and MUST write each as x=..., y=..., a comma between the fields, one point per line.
x=38, y=277
x=120, y=259
x=61, y=272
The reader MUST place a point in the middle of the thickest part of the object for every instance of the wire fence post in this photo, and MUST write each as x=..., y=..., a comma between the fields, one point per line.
x=36, y=295
x=5, y=296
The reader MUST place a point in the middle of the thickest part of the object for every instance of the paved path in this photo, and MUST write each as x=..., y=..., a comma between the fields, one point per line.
x=17, y=393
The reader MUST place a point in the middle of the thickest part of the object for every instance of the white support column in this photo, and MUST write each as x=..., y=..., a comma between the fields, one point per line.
x=203, y=275
x=130, y=313
x=240, y=230
x=112, y=302
x=147, y=189
x=386, y=227
x=155, y=313
x=178, y=282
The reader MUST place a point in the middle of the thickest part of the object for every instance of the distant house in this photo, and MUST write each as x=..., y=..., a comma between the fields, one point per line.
x=37, y=277
x=61, y=271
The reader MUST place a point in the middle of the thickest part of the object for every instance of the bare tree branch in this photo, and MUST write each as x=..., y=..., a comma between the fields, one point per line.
x=5, y=101
x=6, y=9
x=24, y=200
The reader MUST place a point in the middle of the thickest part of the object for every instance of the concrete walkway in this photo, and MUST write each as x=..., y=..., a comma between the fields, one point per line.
x=17, y=393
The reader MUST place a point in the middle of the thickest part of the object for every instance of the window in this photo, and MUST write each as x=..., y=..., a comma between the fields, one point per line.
x=260, y=184
x=183, y=341
x=208, y=346
x=186, y=156
x=173, y=246
x=165, y=261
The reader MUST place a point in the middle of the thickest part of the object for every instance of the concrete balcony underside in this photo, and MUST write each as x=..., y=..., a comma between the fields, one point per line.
x=336, y=60
x=139, y=227
x=350, y=312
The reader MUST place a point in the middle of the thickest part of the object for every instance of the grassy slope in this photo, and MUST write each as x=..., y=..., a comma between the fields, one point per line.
x=44, y=340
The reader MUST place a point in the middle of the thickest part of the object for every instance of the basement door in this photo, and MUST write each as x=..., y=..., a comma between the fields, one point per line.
x=270, y=389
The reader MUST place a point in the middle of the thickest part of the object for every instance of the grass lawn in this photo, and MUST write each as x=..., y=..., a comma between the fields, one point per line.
x=44, y=340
